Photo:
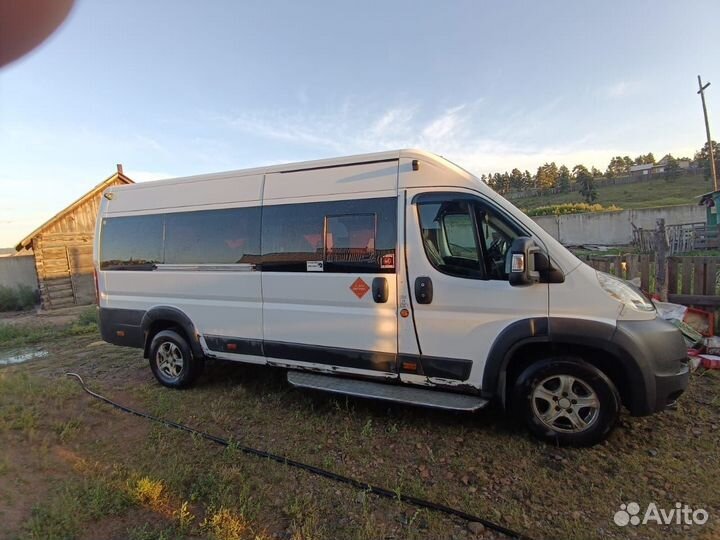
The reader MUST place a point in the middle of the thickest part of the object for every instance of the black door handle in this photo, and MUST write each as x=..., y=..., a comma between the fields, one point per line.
x=380, y=290
x=423, y=290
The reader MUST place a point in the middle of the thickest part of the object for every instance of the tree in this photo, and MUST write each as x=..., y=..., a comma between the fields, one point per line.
x=646, y=159
x=501, y=183
x=528, y=179
x=564, y=179
x=547, y=176
x=516, y=180
x=587, y=183
x=619, y=166
x=702, y=157
x=597, y=173
x=672, y=168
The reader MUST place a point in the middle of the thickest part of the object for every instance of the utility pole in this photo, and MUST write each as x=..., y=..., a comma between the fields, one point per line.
x=707, y=131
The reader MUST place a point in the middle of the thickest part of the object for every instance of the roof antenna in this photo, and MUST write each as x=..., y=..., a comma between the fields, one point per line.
x=119, y=168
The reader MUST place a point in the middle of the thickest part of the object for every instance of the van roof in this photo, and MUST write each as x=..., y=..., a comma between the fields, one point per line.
x=300, y=165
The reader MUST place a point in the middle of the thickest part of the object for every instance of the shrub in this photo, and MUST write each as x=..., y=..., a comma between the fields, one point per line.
x=17, y=298
x=570, y=208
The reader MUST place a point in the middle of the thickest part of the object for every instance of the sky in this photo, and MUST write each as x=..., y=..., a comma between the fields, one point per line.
x=173, y=88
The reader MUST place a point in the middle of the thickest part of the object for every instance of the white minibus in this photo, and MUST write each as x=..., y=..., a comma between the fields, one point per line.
x=396, y=276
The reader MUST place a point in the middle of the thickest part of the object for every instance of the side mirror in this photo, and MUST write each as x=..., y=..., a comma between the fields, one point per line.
x=522, y=261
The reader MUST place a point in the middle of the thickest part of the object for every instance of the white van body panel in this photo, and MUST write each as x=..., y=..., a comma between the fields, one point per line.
x=361, y=180
x=203, y=193
x=226, y=303
x=218, y=300
x=581, y=297
x=319, y=308
x=466, y=315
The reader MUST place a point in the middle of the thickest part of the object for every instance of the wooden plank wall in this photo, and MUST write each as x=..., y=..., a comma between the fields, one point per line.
x=65, y=271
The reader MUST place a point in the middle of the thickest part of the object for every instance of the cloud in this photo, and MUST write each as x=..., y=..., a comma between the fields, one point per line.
x=621, y=89
x=446, y=125
x=463, y=132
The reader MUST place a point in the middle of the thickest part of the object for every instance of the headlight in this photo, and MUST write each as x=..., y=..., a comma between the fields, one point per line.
x=624, y=293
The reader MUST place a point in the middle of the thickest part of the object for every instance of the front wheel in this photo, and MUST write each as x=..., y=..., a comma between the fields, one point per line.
x=172, y=361
x=567, y=401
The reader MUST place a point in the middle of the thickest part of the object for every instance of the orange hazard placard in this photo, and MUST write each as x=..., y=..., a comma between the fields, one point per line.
x=359, y=287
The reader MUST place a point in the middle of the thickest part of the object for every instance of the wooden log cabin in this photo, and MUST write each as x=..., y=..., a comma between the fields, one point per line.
x=63, y=249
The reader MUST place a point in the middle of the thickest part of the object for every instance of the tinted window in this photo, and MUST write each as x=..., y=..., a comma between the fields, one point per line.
x=213, y=236
x=346, y=236
x=205, y=237
x=496, y=237
x=131, y=243
x=465, y=237
x=350, y=239
x=460, y=236
x=450, y=238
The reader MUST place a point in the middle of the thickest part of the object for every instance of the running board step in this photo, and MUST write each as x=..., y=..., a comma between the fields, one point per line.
x=387, y=392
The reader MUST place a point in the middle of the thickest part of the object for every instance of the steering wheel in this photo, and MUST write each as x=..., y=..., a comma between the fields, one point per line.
x=496, y=253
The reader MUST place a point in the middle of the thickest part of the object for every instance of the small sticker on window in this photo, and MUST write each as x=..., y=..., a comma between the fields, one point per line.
x=387, y=261
x=314, y=266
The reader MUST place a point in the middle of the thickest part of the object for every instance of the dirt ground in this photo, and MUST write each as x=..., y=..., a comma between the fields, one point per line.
x=72, y=467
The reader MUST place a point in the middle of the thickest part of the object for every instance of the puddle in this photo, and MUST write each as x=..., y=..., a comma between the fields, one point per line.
x=18, y=357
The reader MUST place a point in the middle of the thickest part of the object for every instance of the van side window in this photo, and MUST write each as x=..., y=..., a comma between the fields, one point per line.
x=213, y=236
x=354, y=236
x=131, y=243
x=349, y=240
x=227, y=236
x=496, y=237
x=450, y=238
x=465, y=237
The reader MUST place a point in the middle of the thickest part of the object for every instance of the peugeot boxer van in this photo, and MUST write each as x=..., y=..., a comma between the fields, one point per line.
x=396, y=276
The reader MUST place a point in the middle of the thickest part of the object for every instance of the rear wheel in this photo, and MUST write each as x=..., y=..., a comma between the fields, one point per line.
x=567, y=401
x=172, y=361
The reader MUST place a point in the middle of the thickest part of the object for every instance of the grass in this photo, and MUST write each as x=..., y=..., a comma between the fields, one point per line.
x=656, y=192
x=17, y=335
x=66, y=510
x=116, y=475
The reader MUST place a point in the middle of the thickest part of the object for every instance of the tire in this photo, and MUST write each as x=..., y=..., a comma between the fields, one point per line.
x=566, y=401
x=172, y=361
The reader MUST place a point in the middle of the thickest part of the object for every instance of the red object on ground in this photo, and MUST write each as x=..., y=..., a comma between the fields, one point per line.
x=700, y=320
x=709, y=361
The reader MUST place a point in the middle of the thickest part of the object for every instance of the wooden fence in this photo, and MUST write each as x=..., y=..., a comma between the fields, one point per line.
x=680, y=238
x=692, y=281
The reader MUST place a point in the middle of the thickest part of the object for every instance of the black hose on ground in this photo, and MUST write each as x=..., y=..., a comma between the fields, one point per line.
x=368, y=488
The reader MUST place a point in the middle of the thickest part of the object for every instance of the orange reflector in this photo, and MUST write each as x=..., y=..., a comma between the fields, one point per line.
x=120, y=333
x=404, y=313
x=232, y=346
x=409, y=366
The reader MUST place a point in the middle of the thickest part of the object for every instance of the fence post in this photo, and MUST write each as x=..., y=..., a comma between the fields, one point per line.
x=661, y=247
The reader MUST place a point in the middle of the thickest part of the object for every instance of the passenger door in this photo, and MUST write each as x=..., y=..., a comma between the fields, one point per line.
x=328, y=273
x=456, y=249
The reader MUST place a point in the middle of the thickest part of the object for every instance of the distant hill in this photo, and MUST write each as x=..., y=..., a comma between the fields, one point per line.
x=653, y=192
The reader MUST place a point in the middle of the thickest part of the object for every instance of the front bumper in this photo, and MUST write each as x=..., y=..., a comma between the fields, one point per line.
x=659, y=357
